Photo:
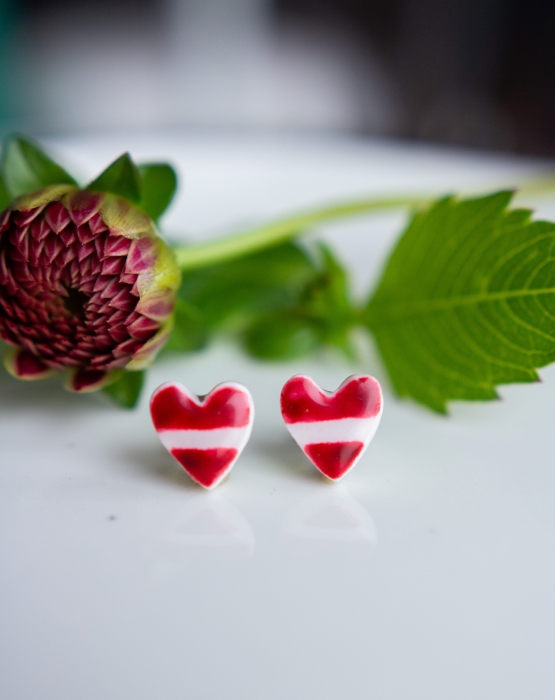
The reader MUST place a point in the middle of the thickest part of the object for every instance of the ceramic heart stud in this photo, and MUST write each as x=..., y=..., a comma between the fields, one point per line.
x=333, y=429
x=205, y=434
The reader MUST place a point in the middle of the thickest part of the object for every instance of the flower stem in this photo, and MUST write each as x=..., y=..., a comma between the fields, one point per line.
x=253, y=240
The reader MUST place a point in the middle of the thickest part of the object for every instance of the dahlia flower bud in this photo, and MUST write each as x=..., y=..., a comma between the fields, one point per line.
x=86, y=285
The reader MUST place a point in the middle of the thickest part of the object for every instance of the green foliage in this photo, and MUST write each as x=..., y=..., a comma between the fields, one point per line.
x=320, y=314
x=280, y=335
x=150, y=186
x=158, y=187
x=125, y=391
x=227, y=295
x=189, y=332
x=26, y=168
x=467, y=301
x=5, y=198
x=282, y=302
x=327, y=303
x=121, y=178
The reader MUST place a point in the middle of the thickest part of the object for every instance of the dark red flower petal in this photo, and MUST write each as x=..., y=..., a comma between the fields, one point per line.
x=24, y=365
x=86, y=379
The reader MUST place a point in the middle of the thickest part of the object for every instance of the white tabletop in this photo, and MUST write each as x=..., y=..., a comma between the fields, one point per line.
x=428, y=573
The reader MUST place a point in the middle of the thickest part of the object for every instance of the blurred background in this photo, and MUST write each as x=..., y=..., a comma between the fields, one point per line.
x=471, y=72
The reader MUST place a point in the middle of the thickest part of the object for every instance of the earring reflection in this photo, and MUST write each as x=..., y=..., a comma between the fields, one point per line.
x=211, y=526
x=329, y=522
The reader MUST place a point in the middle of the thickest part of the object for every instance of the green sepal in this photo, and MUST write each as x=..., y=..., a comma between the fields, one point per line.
x=126, y=390
x=121, y=178
x=5, y=198
x=26, y=168
x=158, y=186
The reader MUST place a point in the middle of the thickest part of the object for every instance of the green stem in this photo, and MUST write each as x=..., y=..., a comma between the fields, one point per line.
x=253, y=240
x=250, y=241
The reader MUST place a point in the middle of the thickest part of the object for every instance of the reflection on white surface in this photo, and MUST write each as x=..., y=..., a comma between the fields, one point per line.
x=211, y=526
x=331, y=521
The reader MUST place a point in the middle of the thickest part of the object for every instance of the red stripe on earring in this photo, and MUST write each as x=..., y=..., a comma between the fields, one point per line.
x=205, y=466
x=302, y=401
x=333, y=458
x=227, y=407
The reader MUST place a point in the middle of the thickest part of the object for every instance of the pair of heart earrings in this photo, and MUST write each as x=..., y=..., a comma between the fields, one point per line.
x=206, y=434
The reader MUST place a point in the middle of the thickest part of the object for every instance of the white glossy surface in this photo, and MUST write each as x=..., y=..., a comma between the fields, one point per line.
x=427, y=574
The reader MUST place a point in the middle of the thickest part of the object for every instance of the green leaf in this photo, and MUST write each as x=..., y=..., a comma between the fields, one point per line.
x=319, y=314
x=5, y=198
x=280, y=336
x=326, y=302
x=159, y=184
x=126, y=390
x=26, y=168
x=467, y=301
x=121, y=178
x=189, y=333
x=228, y=295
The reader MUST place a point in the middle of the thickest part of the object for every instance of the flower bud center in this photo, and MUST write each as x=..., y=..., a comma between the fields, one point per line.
x=75, y=301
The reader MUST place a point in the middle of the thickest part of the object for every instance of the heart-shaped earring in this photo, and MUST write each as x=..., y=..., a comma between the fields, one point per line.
x=333, y=429
x=205, y=434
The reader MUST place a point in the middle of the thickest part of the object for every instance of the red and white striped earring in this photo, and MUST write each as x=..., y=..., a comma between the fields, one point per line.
x=333, y=429
x=205, y=434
